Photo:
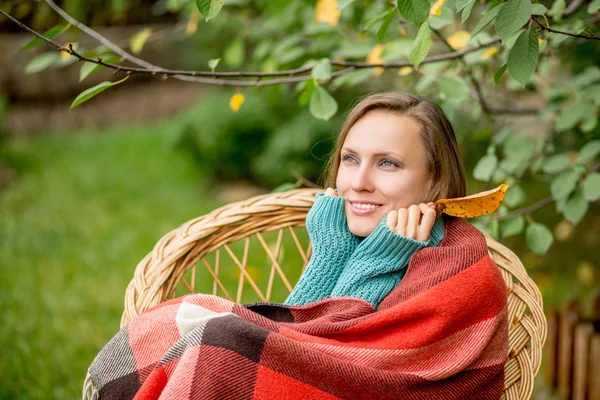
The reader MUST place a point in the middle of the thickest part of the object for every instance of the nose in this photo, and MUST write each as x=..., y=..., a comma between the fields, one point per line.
x=362, y=180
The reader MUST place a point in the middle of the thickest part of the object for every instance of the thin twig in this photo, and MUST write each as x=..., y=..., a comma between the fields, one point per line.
x=547, y=28
x=197, y=76
x=304, y=181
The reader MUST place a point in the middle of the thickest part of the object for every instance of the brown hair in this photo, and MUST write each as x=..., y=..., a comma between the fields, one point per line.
x=443, y=155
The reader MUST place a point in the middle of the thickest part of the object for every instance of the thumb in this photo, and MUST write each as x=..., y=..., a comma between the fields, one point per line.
x=330, y=192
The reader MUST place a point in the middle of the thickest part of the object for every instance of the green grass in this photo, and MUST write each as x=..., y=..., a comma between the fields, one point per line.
x=82, y=212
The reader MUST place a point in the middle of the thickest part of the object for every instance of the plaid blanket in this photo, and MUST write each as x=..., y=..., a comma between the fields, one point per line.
x=442, y=333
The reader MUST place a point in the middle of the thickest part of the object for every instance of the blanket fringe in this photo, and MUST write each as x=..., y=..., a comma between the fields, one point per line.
x=89, y=391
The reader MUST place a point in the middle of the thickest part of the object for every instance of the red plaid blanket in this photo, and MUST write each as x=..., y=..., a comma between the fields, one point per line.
x=441, y=334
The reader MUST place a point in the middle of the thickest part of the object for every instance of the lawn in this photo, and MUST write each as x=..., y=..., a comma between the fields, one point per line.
x=82, y=212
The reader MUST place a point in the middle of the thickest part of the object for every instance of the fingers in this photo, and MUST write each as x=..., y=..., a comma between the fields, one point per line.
x=402, y=221
x=392, y=220
x=412, y=227
x=415, y=222
x=330, y=192
x=429, y=215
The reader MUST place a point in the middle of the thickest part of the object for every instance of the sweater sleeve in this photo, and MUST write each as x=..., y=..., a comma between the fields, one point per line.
x=379, y=263
x=333, y=244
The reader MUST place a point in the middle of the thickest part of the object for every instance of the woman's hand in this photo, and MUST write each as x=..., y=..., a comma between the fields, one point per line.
x=330, y=192
x=414, y=222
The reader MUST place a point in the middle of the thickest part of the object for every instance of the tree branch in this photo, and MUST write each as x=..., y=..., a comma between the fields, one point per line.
x=547, y=28
x=531, y=208
x=212, y=77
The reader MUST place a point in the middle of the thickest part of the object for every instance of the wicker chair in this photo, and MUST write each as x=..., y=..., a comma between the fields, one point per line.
x=170, y=270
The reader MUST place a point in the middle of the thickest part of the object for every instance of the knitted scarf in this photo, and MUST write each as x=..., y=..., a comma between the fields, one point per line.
x=442, y=333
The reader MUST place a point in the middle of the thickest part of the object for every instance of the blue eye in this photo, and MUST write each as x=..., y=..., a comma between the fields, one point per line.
x=348, y=158
x=389, y=163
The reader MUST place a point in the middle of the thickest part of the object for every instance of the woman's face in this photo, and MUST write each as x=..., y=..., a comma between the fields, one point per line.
x=383, y=167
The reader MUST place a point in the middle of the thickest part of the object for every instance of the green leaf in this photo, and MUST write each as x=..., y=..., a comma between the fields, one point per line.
x=212, y=64
x=384, y=26
x=523, y=57
x=93, y=91
x=485, y=168
x=558, y=6
x=486, y=18
x=344, y=3
x=499, y=74
x=234, y=53
x=415, y=11
x=369, y=22
x=50, y=33
x=513, y=15
x=556, y=163
x=309, y=87
x=322, y=105
x=513, y=226
x=88, y=68
x=420, y=47
x=593, y=6
x=539, y=238
x=453, y=88
x=591, y=187
x=322, y=71
x=538, y=9
x=569, y=117
x=589, y=151
x=564, y=184
x=137, y=41
x=461, y=4
x=575, y=207
x=514, y=197
x=466, y=12
x=209, y=8
x=41, y=62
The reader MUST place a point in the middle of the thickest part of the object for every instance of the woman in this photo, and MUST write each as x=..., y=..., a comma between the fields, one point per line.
x=396, y=302
x=395, y=153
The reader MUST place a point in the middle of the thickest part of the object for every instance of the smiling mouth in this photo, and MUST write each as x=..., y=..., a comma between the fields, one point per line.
x=362, y=208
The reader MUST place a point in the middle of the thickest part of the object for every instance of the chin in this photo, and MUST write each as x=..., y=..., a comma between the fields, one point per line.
x=362, y=229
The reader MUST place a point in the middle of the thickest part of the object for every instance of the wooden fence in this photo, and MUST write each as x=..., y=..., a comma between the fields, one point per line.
x=572, y=351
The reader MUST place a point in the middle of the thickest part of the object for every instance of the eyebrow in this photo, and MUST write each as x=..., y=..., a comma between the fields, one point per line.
x=384, y=154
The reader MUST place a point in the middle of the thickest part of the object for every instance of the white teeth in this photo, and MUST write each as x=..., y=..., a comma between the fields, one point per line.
x=364, y=206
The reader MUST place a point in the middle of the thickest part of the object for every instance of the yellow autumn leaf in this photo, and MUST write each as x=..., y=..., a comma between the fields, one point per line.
x=326, y=11
x=405, y=71
x=436, y=9
x=474, y=205
x=489, y=53
x=374, y=57
x=192, y=25
x=458, y=40
x=236, y=101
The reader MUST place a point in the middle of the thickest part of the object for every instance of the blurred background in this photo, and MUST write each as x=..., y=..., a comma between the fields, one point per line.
x=86, y=193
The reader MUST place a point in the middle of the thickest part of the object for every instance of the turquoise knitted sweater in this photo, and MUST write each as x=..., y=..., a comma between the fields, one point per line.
x=343, y=265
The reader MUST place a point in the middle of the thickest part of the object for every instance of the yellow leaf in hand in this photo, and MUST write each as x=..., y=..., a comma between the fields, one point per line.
x=459, y=39
x=236, y=101
x=474, y=205
x=326, y=11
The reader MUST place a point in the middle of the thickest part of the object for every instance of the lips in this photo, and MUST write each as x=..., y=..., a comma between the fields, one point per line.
x=363, y=207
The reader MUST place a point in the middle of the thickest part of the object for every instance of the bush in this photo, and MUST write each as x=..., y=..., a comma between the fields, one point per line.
x=262, y=143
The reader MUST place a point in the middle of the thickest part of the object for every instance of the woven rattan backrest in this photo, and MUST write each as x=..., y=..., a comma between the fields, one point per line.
x=235, y=232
